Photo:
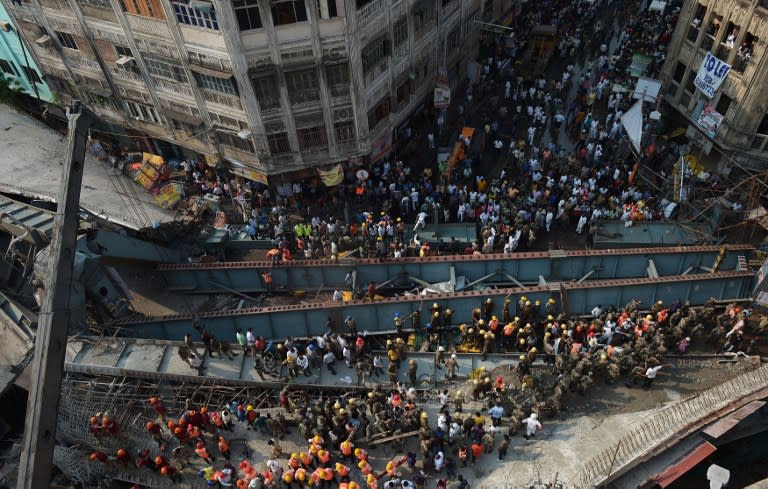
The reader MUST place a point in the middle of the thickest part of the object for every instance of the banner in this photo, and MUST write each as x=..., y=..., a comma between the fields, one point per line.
x=332, y=177
x=711, y=75
x=252, y=175
x=381, y=147
x=147, y=175
x=442, y=98
x=709, y=120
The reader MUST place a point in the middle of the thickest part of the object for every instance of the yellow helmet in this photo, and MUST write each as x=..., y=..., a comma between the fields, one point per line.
x=424, y=415
x=399, y=340
x=494, y=318
x=527, y=303
x=521, y=358
x=533, y=350
x=481, y=322
x=488, y=300
x=435, y=305
x=337, y=405
x=462, y=327
x=523, y=299
x=342, y=411
x=448, y=311
x=538, y=302
x=551, y=301
x=550, y=317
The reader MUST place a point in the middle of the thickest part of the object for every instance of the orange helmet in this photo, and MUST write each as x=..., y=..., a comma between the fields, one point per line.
x=151, y=425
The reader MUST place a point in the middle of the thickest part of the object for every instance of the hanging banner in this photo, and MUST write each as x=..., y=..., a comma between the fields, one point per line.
x=252, y=175
x=147, y=175
x=332, y=177
x=709, y=120
x=442, y=98
x=381, y=147
x=711, y=75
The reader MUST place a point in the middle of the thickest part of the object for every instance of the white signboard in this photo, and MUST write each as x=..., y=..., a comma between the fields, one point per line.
x=711, y=75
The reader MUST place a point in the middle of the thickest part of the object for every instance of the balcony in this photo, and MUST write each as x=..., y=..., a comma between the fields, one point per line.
x=368, y=12
x=123, y=74
x=222, y=99
x=169, y=86
x=149, y=25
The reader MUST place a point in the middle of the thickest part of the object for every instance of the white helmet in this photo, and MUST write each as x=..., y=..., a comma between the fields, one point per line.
x=534, y=415
x=453, y=355
x=440, y=348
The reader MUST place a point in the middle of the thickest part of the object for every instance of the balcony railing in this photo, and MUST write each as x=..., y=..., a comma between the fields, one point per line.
x=151, y=26
x=369, y=11
x=222, y=99
x=173, y=87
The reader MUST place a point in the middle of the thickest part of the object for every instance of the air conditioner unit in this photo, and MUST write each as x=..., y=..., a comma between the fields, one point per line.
x=124, y=61
x=44, y=41
x=5, y=26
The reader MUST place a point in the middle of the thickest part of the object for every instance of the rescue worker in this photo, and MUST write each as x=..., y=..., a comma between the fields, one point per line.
x=412, y=371
x=451, y=366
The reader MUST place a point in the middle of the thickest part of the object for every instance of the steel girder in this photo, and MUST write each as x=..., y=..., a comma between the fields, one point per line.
x=575, y=297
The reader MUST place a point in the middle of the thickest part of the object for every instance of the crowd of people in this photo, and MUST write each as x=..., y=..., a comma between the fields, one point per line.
x=340, y=440
x=541, y=187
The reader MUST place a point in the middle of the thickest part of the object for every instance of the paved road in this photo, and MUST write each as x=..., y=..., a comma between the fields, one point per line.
x=32, y=165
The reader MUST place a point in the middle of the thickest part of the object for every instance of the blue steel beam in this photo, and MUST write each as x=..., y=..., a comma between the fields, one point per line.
x=310, y=319
x=557, y=266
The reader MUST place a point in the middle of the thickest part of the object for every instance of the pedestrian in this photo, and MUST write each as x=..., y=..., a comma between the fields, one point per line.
x=532, y=425
x=250, y=339
x=463, y=484
x=650, y=375
x=503, y=447
x=242, y=340
x=258, y=365
x=329, y=359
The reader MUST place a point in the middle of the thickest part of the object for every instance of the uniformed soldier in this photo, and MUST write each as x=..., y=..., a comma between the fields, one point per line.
x=451, y=366
x=412, y=369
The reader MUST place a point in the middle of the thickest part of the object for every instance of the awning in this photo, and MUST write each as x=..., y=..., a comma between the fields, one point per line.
x=210, y=72
x=190, y=119
x=689, y=461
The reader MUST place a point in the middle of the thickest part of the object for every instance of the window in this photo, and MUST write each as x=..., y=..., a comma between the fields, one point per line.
x=453, y=39
x=423, y=14
x=338, y=79
x=8, y=68
x=379, y=113
x=302, y=86
x=374, y=52
x=164, y=70
x=744, y=53
x=693, y=30
x=278, y=143
x=312, y=137
x=763, y=127
x=404, y=92
x=327, y=9
x=66, y=39
x=723, y=104
x=143, y=112
x=234, y=141
x=266, y=92
x=32, y=75
x=679, y=72
x=196, y=16
x=247, y=13
x=123, y=51
x=223, y=85
x=345, y=131
x=145, y=8
x=690, y=87
x=400, y=31
x=288, y=12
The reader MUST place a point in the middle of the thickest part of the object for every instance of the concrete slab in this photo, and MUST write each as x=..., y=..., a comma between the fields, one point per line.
x=138, y=357
x=32, y=166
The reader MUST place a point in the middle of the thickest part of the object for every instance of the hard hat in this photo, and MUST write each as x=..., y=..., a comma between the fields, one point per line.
x=399, y=340
x=150, y=425
x=94, y=419
x=523, y=299
x=279, y=346
x=471, y=330
x=649, y=317
x=203, y=410
x=424, y=414
x=459, y=392
x=249, y=408
x=660, y=302
x=462, y=327
x=487, y=379
x=507, y=301
x=435, y=314
x=397, y=314
x=534, y=415
x=603, y=356
x=449, y=311
x=522, y=341
x=370, y=395
x=494, y=318
x=358, y=451
x=337, y=405
x=488, y=300
x=547, y=334
x=551, y=301
x=342, y=412
x=550, y=317
x=152, y=400
x=538, y=302
x=533, y=350
x=522, y=358
x=352, y=485
x=527, y=303
x=517, y=318
x=412, y=362
x=440, y=348
x=361, y=464
x=294, y=455
x=453, y=355
x=481, y=322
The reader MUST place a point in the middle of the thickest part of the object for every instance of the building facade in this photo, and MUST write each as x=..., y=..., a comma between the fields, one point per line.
x=735, y=31
x=277, y=85
x=17, y=63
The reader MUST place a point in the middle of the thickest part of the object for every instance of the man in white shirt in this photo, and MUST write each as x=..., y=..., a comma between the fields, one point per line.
x=650, y=375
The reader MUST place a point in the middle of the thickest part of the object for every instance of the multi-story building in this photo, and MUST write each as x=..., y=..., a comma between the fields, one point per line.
x=17, y=63
x=735, y=31
x=278, y=85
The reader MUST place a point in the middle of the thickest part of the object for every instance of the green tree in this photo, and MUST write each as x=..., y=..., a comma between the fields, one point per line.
x=9, y=91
